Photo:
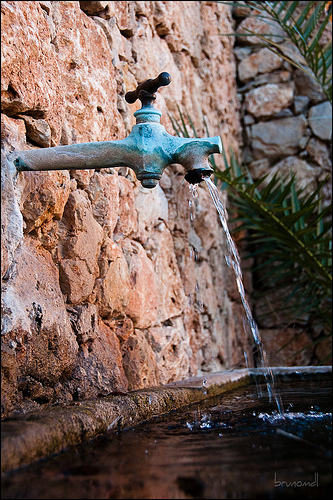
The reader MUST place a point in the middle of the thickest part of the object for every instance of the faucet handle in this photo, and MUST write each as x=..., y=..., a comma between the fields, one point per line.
x=145, y=91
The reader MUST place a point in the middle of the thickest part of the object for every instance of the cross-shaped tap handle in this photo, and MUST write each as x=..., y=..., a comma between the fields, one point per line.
x=145, y=91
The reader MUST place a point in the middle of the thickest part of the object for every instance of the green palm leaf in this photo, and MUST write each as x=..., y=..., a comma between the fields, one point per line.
x=305, y=31
x=297, y=241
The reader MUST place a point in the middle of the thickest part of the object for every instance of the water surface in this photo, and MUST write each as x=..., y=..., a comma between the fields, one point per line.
x=231, y=446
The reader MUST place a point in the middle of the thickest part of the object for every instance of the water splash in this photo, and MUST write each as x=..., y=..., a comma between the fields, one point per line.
x=233, y=260
x=294, y=416
x=202, y=422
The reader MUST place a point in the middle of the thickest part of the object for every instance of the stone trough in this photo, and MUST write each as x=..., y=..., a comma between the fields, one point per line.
x=35, y=435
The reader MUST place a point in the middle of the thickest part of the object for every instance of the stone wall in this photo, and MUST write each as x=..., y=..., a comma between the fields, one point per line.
x=108, y=286
x=287, y=127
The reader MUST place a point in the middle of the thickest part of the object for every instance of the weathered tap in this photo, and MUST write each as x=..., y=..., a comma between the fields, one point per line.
x=147, y=150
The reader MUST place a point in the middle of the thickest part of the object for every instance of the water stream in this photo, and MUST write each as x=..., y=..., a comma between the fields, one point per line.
x=250, y=326
x=194, y=301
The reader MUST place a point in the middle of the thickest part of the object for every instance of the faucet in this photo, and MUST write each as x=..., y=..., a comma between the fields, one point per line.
x=147, y=150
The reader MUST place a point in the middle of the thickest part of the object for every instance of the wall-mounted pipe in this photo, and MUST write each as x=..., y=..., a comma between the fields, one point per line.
x=148, y=149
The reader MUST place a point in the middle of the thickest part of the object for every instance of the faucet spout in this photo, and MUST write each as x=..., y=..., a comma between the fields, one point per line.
x=147, y=150
x=193, y=155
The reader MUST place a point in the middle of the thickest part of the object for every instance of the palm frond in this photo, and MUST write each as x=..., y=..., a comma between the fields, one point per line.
x=297, y=236
x=306, y=31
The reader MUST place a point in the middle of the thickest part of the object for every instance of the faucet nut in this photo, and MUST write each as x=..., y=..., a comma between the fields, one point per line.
x=148, y=179
x=149, y=183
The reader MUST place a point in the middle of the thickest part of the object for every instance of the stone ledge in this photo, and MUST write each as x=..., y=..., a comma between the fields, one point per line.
x=35, y=435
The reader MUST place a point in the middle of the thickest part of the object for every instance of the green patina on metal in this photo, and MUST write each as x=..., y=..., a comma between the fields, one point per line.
x=147, y=150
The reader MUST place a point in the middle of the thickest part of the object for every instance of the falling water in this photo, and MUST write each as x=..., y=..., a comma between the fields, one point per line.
x=193, y=251
x=194, y=194
x=233, y=261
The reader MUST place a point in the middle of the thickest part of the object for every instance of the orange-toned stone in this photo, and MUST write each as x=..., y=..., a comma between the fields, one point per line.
x=143, y=294
x=103, y=191
x=44, y=197
x=139, y=362
x=37, y=328
x=127, y=221
x=99, y=367
x=31, y=80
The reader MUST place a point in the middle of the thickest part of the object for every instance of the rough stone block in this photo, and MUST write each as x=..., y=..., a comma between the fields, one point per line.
x=82, y=235
x=269, y=99
x=277, y=138
x=44, y=197
x=320, y=120
x=99, y=368
x=11, y=219
x=92, y=8
x=152, y=209
x=263, y=61
x=38, y=131
x=139, y=362
x=301, y=104
x=76, y=281
x=308, y=87
x=143, y=292
x=319, y=153
x=127, y=221
x=170, y=344
x=37, y=326
x=306, y=175
x=103, y=191
x=256, y=25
